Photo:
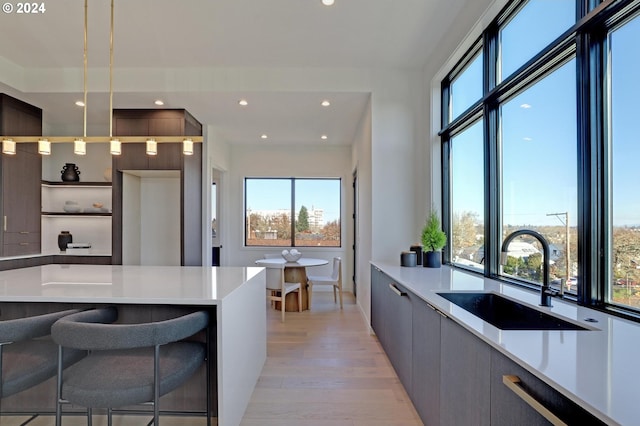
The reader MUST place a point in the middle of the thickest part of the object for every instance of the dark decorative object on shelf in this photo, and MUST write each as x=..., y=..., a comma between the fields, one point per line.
x=64, y=238
x=70, y=173
x=418, y=249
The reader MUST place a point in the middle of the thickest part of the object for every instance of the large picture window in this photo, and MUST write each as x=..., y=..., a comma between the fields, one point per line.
x=466, y=88
x=288, y=212
x=550, y=146
x=539, y=176
x=523, y=36
x=467, y=198
x=625, y=203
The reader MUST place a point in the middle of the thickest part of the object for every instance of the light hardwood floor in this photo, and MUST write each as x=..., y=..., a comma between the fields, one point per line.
x=323, y=368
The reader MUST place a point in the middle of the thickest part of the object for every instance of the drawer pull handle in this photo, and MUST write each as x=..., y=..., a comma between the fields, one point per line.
x=4, y=225
x=24, y=244
x=512, y=382
x=23, y=232
x=396, y=290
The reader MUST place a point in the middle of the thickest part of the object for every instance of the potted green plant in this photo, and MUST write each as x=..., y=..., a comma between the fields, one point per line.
x=433, y=240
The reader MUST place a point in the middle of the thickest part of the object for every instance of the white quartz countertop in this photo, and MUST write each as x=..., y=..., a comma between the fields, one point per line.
x=598, y=369
x=181, y=285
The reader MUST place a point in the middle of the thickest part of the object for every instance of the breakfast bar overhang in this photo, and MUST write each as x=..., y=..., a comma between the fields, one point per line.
x=234, y=297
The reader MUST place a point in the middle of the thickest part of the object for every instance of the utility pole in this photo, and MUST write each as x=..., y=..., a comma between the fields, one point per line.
x=568, y=253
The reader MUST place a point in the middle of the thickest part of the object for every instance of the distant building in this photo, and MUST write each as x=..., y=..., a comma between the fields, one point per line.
x=316, y=218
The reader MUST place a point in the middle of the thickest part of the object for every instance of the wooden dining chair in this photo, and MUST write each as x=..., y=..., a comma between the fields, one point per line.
x=278, y=289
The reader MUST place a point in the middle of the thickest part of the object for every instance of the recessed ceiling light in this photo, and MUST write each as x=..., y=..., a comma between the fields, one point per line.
x=325, y=103
x=323, y=137
x=243, y=102
x=263, y=136
x=328, y=2
x=80, y=103
x=159, y=102
x=525, y=106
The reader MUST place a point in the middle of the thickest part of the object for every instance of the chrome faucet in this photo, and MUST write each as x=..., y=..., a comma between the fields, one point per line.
x=545, y=291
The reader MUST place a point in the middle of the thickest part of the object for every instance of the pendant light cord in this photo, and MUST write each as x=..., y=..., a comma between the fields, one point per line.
x=85, y=69
x=111, y=75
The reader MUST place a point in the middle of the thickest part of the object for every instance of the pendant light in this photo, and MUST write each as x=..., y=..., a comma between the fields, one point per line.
x=152, y=147
x=44, y=147
x=187, y=147
x=9, y=147
x=79, y=147
x=115, y=146
x=80, y=143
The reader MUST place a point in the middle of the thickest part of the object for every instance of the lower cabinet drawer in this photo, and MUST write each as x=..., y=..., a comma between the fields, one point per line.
x=515, y=392
x=21, y=237
x=21, y=249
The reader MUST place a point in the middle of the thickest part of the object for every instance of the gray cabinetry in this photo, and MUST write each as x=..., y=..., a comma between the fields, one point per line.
x=452, y=376
x=20, y=179
x=425, y=365
x=399, y=331
x=391, y=307
x=507, y=408
x=378, y=278
x=465, y=363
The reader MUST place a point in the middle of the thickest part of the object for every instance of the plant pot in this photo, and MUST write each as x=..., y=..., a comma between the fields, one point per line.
x=432, y=259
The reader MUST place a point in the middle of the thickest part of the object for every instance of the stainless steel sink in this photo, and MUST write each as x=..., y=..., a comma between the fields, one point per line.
x=507, y=314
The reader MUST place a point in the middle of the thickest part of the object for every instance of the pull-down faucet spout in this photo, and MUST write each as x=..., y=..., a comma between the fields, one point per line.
x=545, y=291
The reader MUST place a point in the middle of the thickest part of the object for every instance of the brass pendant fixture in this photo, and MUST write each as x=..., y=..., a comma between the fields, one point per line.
x=79, y=143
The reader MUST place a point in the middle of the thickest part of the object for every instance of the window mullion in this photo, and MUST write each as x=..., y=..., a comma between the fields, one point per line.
x=492, y=190
x=593, y=211
x=491, y=157
x=293, y=212
x=447, y=223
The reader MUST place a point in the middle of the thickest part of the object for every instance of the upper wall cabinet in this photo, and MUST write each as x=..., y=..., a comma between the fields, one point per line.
x=153, y=122
x=20, y=179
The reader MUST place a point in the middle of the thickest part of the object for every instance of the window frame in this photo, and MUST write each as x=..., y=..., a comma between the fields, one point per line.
x=586, y=41
x=292, y=181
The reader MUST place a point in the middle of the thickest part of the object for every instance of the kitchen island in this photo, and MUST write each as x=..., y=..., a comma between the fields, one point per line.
x=233, y=296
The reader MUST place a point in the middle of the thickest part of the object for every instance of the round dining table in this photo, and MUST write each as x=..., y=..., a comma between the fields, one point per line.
x=295, y=272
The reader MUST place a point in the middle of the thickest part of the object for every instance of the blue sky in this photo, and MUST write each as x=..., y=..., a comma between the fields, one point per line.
x=539, y=127
x=275, y=194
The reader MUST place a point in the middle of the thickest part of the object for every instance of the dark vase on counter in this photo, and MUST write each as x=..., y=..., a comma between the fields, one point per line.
x=418, y=249
x=70, y=173
x=432, y=259
x=64, y=238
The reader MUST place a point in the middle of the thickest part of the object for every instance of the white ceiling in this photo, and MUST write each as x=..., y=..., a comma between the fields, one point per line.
x=209, y=35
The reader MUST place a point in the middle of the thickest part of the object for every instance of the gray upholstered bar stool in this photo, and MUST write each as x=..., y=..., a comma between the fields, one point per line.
x=127, y=364
x=28, y=356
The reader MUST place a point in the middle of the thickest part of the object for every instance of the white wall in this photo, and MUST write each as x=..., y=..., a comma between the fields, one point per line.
x=92, y=166
x=284, y=161
x=151, y=219
x=131, y=219
x=470, y=23
x=160, y=226
x=361, y=162
x=216, y=154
